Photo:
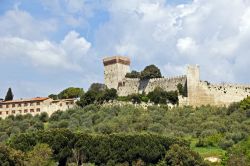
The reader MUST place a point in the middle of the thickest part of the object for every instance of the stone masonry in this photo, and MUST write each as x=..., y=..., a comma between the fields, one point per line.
x=199, y=92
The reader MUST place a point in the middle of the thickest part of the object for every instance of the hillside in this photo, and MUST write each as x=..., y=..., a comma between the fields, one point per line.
x=210, y=131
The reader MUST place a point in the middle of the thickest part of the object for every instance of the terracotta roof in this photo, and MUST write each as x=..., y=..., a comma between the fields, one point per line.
x=26, y=100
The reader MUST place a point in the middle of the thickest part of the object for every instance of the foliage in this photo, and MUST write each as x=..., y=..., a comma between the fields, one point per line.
x=70, y=93
x=245, y=104
x=239, y=154
x=97, y=87
x=53, y=96
x=40, y=155
x=97, y=93
x=182, y=156
x=9, y=96
x=182, y=89
x=212, y=127
x=149, y=72
x=98, y=149
x=135, y=98
x=159, y=96
x=10, y=157
x=133, y=74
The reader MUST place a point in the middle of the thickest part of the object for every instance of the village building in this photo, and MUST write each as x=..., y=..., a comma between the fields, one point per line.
x=34, y=106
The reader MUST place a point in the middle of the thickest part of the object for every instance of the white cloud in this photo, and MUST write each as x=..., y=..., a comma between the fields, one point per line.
x=216, y=33
x=65, y=54
x=186, y=45
x=20, y=23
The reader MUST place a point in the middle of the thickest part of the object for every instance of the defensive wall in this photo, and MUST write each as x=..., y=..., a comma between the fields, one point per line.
x=205, y=93
x=198, y=92
x=129, y=86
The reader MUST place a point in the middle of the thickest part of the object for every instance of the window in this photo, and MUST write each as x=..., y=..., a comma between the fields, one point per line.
x=7, y=112
x=37, y=103
x=20, y=111
x=13, y=111
x=31, y=110
x=1, y=113
x=38, y=110
x=1, y=106
x=61, y=104
x=26, y=104
x=19, y=105
x=25, y=111
x=7, y=106
x=13, y=105
x=31, y=104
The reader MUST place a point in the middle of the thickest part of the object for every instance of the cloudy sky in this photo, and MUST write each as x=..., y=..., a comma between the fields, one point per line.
x=49, y=45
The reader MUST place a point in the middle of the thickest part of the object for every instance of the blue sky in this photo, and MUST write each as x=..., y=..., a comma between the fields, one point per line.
x=49, y=45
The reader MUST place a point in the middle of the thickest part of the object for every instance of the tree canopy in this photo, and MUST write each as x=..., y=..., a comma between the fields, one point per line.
x=68, y=93
x=149, y=72
x=97, y=93
x=9, y=96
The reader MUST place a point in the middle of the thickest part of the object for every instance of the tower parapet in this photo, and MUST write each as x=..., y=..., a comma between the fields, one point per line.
x=115, y=69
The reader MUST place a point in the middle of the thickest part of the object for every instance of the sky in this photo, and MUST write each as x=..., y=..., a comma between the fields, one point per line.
x=49, y=45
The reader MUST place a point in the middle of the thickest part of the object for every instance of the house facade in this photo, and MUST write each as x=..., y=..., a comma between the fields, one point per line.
x=34, y=106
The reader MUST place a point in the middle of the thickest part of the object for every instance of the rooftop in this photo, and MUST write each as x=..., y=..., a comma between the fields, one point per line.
x=26, y=100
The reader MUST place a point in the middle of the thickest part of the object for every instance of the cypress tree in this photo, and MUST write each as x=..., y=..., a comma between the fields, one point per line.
x=9, y=96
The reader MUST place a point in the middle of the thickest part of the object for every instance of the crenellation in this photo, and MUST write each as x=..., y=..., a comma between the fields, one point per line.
x=199, y=92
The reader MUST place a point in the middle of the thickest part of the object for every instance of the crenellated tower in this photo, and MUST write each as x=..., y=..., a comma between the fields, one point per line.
x=115, y=69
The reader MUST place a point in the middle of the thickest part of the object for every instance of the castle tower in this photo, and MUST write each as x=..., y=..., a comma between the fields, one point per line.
x=115, y=69
x=193, y=79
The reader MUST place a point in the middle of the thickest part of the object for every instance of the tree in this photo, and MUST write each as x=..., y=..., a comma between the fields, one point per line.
x=150, y=72
x=133, y=74
x=135, y=98
x=70, y=93
x=110, y=94
x=239, y=154
x=40, y=155
x=88, y=98
x=11, y=157
x=181, y=89
x=245, y=104
x=9, y=96
x=182, y=156
x=53, y=96
x=159, y=96
x=44, y=117
x=97, y=87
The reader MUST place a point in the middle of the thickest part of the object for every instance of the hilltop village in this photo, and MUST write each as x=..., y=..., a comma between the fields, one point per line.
x=116, y=69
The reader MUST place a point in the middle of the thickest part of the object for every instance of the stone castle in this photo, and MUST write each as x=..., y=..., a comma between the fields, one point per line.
x=198, y=92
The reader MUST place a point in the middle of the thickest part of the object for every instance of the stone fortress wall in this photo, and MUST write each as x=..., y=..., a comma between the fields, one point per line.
x=198, y=92
x=205, y=93
x=129, y=86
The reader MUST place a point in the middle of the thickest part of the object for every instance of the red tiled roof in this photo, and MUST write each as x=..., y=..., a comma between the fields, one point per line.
x=26, y=100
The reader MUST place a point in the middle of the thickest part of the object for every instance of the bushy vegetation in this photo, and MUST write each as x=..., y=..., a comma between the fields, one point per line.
x=149, y=72
x=68, y=93
x=93, y=133
x=98, y=94
x=158, y=96
x=64, y=146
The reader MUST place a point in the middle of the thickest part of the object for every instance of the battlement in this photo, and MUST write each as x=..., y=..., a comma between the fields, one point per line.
x=198, y=92
x=116, y=59
x=168, y=78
